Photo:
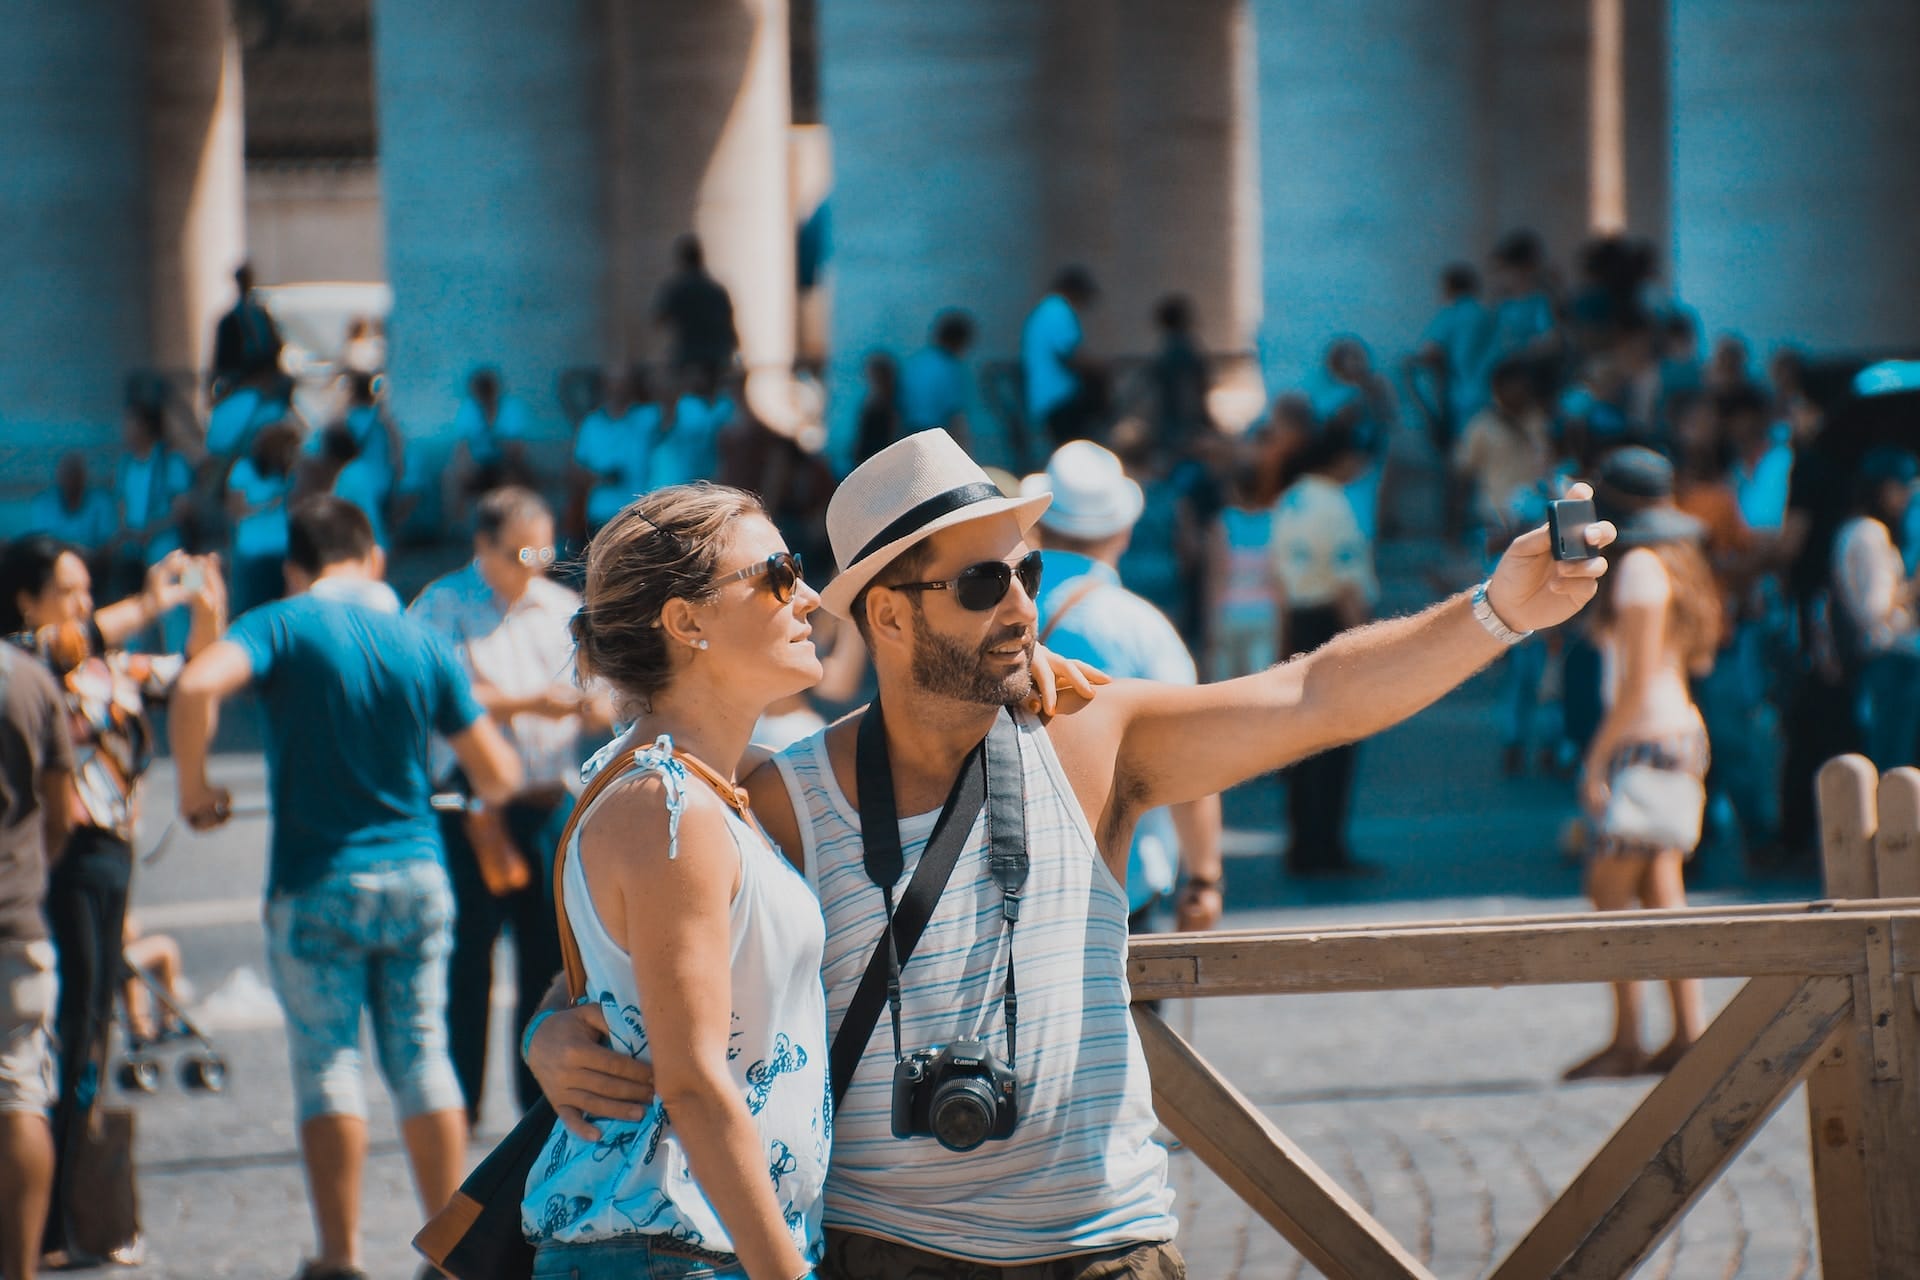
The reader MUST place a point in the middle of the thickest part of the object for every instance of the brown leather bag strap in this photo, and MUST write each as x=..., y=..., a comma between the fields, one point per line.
x=735, y=797
x=1079, y=593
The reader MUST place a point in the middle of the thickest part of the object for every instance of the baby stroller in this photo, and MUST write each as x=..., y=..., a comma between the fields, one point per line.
x=201, y=1068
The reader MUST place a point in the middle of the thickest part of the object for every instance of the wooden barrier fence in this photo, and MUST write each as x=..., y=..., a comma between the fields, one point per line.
x=1832, y=998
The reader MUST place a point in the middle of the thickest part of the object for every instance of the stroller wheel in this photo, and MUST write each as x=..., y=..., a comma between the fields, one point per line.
x=139, y=1075
x=207, y=1073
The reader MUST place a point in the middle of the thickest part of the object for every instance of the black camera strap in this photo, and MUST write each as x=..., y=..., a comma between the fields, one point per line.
x=990, y=778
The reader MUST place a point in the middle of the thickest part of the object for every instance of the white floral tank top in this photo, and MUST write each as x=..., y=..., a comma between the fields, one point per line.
x=636, y=1179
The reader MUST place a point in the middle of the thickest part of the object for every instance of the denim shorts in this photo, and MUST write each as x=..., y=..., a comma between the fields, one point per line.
x=375, y=941
x=633, y=1258
x=29, y=988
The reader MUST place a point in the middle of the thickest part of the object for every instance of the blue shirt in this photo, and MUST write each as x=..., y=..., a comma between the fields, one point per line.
x=353, y=693
x=1049, y=339
x=1460, y=330
x=1763, y=487
x=933, y=388
x=1126, y=637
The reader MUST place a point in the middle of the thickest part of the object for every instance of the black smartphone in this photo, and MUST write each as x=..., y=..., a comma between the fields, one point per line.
x=1567, y=522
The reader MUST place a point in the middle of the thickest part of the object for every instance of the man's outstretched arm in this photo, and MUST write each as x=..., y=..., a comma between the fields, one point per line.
x=1177, y=743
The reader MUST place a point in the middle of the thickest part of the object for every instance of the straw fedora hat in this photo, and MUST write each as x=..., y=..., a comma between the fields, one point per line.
x=910, y=489
x=1093, y=497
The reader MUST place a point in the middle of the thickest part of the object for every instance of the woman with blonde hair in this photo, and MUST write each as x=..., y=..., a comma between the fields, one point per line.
x=1657, y=621
x=700, y=943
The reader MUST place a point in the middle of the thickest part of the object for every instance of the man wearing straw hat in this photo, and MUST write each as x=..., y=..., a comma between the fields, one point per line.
x=940, y=577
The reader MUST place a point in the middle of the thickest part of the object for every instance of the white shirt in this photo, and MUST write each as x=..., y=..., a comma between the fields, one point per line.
x=1867, y=576
x=1051, y=335
x=1640, y=580
x=618, y=450
x=1318, y=546
x=521, y=649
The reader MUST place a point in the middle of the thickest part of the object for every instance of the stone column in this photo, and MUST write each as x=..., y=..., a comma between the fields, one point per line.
x=73, y=284
x=1369, y=177
x=1535, y=63
x=940, y=164
x=1649, y=124
x=1184, y=198
x=491, y=158
x=1795, y=188
x=198, y=187
x=699, y=111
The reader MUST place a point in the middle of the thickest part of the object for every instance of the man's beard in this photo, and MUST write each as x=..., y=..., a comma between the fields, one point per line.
x=947, y=668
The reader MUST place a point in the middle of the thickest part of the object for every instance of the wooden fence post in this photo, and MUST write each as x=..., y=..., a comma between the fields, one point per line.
x=1888, y=1033
x=1848, y=817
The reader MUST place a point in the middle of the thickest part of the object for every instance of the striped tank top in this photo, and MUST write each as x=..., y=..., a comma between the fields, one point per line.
x=1082, y=1171
x=636, y=1179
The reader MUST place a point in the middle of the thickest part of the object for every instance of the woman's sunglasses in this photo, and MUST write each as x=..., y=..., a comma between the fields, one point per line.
x=784, y=573
x=980, y=587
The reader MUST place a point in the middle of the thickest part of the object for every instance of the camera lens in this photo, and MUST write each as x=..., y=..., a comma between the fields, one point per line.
x=961, y=1116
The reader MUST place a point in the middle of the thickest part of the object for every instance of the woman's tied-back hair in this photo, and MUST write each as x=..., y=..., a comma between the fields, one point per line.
x=664, y=546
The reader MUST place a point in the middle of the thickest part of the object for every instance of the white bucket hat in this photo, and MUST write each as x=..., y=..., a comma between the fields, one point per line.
x=1093, y=497
x=910, y=489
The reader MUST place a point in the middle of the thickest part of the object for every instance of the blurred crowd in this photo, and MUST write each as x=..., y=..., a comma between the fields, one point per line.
x=1530, y=372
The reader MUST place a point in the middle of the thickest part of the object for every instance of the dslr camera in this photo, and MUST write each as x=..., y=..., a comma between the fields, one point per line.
x=960, y=1096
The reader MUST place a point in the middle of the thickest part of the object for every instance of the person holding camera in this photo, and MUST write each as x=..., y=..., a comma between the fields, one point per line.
x=1001, y=1122
x=47, y=610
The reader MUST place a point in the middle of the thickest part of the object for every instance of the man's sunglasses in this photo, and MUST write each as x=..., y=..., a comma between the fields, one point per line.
x=784, y=573
x=980, y=587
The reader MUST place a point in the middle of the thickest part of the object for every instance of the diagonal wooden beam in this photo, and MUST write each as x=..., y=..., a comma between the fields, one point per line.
x=1686, y=1132
x=1264, y=1167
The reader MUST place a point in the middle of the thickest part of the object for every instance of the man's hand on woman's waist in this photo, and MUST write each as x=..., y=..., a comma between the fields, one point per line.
x=581, y=1076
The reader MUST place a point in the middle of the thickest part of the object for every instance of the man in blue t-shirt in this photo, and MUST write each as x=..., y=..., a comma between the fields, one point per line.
x=359, y=912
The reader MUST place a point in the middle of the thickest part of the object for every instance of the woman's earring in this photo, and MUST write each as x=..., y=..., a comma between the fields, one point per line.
x=702, y=644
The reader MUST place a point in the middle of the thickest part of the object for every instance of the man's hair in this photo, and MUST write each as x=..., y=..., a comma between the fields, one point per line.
x=326, y=530
x=1075, y=284
x=1520, y=248
x=905, y=567
x=688, y=253
x=501, y=507
x=953, y=330
x=1174, y=312
x=1460, y=280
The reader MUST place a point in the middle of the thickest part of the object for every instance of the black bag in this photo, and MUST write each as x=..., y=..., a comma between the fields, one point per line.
x=478, y=1236
x=103, y=1217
